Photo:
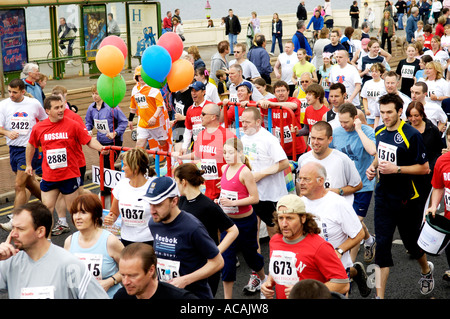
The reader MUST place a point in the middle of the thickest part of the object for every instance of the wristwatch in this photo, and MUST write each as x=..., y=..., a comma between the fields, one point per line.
x=341, y=192
x=340, y=251
x=115, y=281
x=399, y=170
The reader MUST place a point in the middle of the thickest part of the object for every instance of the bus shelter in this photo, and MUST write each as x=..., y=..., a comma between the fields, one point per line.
x=142, y=21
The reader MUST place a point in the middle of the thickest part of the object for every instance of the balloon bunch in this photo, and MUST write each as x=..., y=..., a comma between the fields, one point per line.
x=110, y=60
x=161, y=64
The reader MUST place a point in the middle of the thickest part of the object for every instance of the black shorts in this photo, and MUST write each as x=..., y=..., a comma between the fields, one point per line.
x=265, y=210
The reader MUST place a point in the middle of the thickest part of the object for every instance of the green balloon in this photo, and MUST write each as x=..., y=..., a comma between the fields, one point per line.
x=111, y=90
x=150, y=82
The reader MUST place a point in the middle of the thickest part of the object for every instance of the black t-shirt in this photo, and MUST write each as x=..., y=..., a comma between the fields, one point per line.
x=208, y=212
x=164, y=291
x=407, y=71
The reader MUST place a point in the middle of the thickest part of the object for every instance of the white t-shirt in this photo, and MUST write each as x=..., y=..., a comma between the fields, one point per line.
x=438, y=87
x=372, y=91
x=20, y=117
x=249, y=70
x=349, y=76
x=287, y=63
x=337, y=220
x=435, y=113
x=441, y=56
x=211, y=93
x=135, y=212
x=341, y=170
x=58, y=274
x=263, y=150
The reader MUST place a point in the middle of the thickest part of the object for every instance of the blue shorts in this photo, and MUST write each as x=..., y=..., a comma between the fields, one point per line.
x=66, y=187
x=361, y=202
x=17, y=158
x=370, y=121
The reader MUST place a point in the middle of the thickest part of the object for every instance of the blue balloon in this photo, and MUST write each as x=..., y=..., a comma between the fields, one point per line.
x=156, y=62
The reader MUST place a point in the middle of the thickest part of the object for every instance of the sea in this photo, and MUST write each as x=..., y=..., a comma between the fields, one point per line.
x=189, y=9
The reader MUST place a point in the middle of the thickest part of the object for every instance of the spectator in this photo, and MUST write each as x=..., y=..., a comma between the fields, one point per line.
x=411, y=25
x=260, y=58
x=219, y=60
x=299, y=38
x=301, y=11
x=232, y=29
x=277, y=33
x=113, y=26
x=401, y=10
x=198, y=62
x=167, y=22
x=387, y=30
x=354, y=14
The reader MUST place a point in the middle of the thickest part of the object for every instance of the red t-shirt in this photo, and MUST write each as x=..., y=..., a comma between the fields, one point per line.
x=313, y=116
x=427, y=42
x=193, y=119
x=441, y=179
x=60, y=143
x=314, y=258
x=77, y=118
x=276, y=123
x=209, y=148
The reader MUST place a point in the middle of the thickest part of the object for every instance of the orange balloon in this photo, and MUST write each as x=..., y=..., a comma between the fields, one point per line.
x=110, y=60
x=181, y=75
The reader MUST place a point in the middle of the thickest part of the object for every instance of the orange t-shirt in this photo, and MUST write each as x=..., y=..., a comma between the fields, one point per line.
x=145, y=101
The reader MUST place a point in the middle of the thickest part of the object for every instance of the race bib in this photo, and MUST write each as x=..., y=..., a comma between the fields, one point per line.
x=141, y=100
x=20, y=125
x=231, y=195
x=94, y=263
x=57, y=158
x=167, y=269
x=282, y=267
x=210, y=168
x=132, y=214
x=233, y=98
x=47, y=292
x=101, y=126
x=408, y=71
x=179, y=108
x=387, y=153
x=287, y=135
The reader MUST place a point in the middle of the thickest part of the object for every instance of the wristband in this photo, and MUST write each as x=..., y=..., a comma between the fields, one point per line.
x=131, y=117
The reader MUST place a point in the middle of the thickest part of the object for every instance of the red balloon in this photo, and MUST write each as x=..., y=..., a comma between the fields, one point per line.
x=117, y=42
x=172, y=43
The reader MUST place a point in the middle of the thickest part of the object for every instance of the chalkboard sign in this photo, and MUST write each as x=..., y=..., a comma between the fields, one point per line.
x=13, y=37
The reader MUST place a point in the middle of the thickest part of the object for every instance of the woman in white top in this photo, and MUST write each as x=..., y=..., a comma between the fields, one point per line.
x=97, y=247
x=445, y=40
x=177, y=27
x=437, y=85
x=371, y=92
x=440, y=55
x=128, y=194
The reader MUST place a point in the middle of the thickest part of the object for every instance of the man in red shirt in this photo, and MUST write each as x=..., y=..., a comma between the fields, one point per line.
x=208, y=149
x=282, y=98
x=167, y=22
x=193, y=120
x=60, y=139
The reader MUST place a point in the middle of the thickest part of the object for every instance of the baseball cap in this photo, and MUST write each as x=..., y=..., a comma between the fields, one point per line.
x=364, y=42
x=197, y=85
x=160, y=189
x=247, y=84
x=293, y=203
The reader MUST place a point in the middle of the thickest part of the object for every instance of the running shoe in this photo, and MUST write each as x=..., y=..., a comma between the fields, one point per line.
x=6, y=226
x=369, y=251
x=426, y=281
x=446, y=275
x=59, y=229
x=253, y=284
x=361, y=280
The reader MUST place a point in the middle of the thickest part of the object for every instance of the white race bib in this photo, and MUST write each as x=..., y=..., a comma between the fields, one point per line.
x=210, y=168
x=132, y=214
x=387, y=153
x=94, y=263
x=101, y=126
x=167, y=269
x=282, y=267
x=57, y=158
x=231, y=195
x=20, y=125
x=286, y=134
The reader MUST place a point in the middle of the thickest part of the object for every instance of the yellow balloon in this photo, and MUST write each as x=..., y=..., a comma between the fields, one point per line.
x=110, y=60
x=181, y=75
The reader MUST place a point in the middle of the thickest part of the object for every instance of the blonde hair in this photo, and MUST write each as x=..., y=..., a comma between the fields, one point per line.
x=437, y=66
x=138, y=161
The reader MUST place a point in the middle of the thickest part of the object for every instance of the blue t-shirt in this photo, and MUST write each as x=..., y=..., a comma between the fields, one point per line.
x=182, y=247
x=350, y=144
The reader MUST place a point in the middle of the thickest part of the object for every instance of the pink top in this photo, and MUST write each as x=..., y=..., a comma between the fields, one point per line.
x=234, y=189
